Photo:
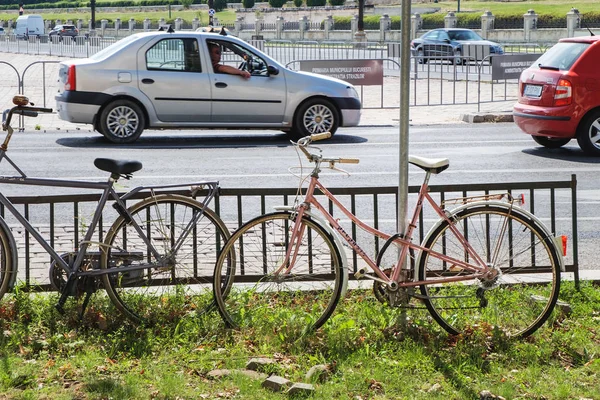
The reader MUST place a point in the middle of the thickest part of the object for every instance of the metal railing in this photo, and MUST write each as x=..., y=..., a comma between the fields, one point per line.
x=61, y=218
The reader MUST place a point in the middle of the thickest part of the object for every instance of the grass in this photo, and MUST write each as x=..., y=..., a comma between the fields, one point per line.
x=552, y=7
x=44, y=355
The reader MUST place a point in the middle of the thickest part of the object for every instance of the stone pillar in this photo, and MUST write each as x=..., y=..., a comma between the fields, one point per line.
x=385, y=24
x=117, y=26
x=530, y=23
x=354, y=25
x=450, y=20
x=303, y=25
x=487, y=23
x=573, y=22
x=161, y=22
x=69, y=22
x=103, y=25
x=238, y=24
x=46, y=25
x=79, y=24
x=91, y=26
x=195, y=24
x=58, y=22
x=328, y=25
x=131, y=25
x=279, y=27
x=146, y=24
x=10, y=22
x=178, y=22
x=257, y=25
x=416, y=23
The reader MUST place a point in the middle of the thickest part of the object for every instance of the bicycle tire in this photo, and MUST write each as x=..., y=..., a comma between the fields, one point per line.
x=520, y=299
x=179, y=288
x=247, y=295
x=7, y=259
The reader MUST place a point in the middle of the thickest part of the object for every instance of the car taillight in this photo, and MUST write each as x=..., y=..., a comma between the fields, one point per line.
x=70, y=81
x=563, y=95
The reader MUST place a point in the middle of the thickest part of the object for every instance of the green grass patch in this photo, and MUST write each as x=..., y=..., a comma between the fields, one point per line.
x=373, y=352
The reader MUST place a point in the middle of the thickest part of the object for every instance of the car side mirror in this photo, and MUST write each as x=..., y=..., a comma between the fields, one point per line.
x=272, y=70
x=447, y=40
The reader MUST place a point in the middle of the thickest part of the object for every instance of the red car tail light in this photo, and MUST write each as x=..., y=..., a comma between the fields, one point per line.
x=563, y=95
x=70, y=83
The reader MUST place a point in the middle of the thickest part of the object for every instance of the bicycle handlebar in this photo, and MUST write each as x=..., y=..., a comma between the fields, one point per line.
x=317, y=158
x=21, y=108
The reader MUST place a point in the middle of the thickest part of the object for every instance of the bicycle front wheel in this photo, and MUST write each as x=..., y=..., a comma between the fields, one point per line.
x=175, y=279
x=257, y=292
x=520, y=293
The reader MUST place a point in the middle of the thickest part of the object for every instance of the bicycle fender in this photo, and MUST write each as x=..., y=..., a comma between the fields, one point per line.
x=506, y=206
x=12, y=274
x=336, y=238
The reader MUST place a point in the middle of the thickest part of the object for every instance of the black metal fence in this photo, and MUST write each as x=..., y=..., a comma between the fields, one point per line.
x=61, y=219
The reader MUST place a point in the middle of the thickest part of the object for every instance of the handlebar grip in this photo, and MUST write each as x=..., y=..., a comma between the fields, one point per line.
x=27, y=113
x=349, y=161
x=320, y=136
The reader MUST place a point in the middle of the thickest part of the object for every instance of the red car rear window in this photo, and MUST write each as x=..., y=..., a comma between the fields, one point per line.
x=561, y=56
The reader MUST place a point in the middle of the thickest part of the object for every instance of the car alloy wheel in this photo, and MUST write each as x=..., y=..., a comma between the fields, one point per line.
x=458, y=60
x=315, y=116
x=122, y=121
x=421, y=56
x=588, y=134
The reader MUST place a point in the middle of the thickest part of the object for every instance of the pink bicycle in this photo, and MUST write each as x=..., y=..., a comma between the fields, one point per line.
x=487, y=261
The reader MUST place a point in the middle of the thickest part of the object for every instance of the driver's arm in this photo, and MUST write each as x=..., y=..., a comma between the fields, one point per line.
x=227, y=69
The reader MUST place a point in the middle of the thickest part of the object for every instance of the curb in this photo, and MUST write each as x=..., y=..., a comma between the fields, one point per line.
x=481, y=117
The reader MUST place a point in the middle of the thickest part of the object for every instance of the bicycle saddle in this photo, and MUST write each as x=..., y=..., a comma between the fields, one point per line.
x=121, y=167
x=433, y=165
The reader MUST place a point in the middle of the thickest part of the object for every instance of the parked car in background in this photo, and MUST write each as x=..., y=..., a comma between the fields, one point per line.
x=448, y=44
x=64, y=30
x=167, y=80
x=27, y=26
x=559, y=95
x=2, y=32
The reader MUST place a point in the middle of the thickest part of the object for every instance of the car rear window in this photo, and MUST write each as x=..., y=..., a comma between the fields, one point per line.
x=561, y=55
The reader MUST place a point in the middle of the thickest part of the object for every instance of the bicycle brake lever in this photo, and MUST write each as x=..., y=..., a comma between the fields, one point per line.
x=334, y=168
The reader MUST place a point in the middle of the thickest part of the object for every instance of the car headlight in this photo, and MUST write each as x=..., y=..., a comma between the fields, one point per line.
x=352, y=92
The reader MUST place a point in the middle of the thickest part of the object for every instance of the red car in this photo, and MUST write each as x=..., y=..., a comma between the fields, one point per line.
x=559, y=95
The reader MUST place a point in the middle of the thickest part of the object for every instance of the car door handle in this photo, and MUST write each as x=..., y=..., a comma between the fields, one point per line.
x=147, y=80
x=221, y=84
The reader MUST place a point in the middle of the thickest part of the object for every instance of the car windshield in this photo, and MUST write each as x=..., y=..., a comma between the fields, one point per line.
x=561, y=56
x=113, y=48
x=463, y=35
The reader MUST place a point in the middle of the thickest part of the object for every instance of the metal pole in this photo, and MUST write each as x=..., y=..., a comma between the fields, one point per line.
x=361, y=15
x=404, y=116
x=93, y=7
x=210, y=17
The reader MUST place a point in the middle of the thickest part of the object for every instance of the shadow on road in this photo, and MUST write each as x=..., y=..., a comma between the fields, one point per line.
x=574, y=154
x=170, y=141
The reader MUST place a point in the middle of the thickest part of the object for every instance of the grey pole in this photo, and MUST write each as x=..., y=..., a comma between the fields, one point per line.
x=404, y=116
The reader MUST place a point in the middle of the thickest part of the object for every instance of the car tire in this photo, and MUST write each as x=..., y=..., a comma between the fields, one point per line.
x=458, y=60
x=421, y=56
x=588, y=134
x=315, y=116
x=550, y=142
x=122, y=121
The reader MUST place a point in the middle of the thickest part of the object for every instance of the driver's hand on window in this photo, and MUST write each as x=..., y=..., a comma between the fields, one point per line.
x=244, y=74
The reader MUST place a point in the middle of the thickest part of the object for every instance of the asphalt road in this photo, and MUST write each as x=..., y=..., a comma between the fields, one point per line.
x=479, y=153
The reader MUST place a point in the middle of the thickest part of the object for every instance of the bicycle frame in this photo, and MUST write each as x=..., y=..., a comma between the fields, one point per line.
x=479, y=268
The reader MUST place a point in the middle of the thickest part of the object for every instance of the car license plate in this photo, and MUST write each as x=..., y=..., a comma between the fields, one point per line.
x=532, y=90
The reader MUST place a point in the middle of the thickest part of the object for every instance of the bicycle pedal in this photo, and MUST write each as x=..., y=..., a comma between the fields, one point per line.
x=360, y=273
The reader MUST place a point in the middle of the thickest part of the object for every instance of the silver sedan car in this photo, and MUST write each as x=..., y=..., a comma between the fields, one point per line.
x=167, y=80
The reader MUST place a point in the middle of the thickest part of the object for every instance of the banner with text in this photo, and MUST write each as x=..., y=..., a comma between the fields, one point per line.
x=356, y=72
x=510, y=67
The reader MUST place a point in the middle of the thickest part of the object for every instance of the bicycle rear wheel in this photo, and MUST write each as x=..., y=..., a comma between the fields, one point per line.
x=523, y=293
x=251, y=294
x=181, y=284
x=7, y=258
